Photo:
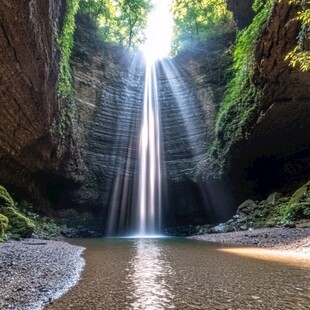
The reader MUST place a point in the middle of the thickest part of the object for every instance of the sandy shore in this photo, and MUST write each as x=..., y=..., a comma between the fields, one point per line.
x=34, y=272
x=290, y=240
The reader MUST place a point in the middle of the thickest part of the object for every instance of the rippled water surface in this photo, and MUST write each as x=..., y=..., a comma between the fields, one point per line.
x=172, y=273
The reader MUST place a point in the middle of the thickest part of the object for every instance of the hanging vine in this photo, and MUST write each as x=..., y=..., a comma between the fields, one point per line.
x=300, y=56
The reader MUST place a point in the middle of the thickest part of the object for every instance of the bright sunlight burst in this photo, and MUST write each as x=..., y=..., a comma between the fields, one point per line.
x=159, y=31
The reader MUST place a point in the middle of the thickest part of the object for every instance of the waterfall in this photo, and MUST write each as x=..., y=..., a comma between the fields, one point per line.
x=135, y=192
x=149, y=199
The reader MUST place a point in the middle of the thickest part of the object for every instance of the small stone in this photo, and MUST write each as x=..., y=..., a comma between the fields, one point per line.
x=289, y=224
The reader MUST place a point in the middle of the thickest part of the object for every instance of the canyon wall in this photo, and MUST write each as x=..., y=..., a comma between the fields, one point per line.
x=272, y=151
x=109, y=85
x=95, y=159
x=29, y=105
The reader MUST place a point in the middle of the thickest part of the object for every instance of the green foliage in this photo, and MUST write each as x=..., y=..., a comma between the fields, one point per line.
x=299, y=205
x=295, y=208
x=67, y=117
x=120, y=21
x=197, y=20
x=65, y=43
x=3, y=226
x=18, y=225
x=45, y=227
x=300, y=56
x=242, y=95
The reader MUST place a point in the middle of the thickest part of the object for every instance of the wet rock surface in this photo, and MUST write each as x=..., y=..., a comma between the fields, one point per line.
x=34, y=272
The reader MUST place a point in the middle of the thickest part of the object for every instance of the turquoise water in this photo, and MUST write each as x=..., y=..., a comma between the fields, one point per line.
x=170, y=273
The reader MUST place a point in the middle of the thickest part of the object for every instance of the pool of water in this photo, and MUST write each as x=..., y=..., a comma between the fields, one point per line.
x=170, y=273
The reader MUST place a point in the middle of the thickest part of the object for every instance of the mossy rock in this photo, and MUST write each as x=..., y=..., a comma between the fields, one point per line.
x=18, y=224
x=298, y=206
x=4, y=222
x=301, y=194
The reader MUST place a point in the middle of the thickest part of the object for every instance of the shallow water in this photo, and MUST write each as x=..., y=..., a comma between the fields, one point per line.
x=171, y=273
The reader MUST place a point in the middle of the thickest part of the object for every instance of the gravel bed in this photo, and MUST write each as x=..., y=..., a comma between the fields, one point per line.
x=291, y=240
x=34, y=272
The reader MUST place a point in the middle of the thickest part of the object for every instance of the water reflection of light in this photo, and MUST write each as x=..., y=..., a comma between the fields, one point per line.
x=149, y=276
x=294, y=259
x=145, y=236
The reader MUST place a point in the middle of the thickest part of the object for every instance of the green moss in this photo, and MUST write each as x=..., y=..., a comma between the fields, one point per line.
x=18, y=224
x=47, y=228
x=298, y=206
x=3, y=226
x=242, y=94
x=67, y=117
x=300, y=194
x=65, y=43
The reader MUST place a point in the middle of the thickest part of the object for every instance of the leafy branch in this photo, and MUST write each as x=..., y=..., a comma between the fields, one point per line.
x=300, y=55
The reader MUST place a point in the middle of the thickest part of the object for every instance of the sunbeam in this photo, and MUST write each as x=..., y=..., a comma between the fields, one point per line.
x=159, y=31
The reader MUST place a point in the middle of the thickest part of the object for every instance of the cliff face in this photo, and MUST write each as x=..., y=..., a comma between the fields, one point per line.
x=280, y=134
x=28, y=77
x=110, y=88
x=191, y=86
x=272, y=152
x=98, y=158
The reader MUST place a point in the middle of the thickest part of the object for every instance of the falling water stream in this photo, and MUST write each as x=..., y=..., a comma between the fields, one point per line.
x=149, y=201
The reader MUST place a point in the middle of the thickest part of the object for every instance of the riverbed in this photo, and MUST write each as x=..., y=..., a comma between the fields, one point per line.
x=172, y=273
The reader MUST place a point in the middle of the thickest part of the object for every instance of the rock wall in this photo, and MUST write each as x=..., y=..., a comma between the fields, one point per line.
x=191, y=86
x=273, y=152
x=28, y=79
x=109, y=90
x=110, y=85
x=99, y=156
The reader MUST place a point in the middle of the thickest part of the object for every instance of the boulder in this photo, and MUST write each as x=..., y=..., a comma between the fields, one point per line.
x=247, y=207
x=17, y=224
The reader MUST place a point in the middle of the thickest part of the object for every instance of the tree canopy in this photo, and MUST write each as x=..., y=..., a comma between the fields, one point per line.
x=196, y=20
x=120, y=21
